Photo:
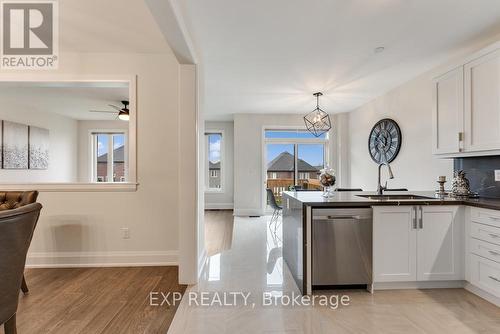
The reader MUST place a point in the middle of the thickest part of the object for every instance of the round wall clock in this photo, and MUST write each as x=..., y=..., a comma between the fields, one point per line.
x=384, y=141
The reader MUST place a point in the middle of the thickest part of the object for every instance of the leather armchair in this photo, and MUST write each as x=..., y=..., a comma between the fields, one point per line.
x=15, y=199
x=16, y=230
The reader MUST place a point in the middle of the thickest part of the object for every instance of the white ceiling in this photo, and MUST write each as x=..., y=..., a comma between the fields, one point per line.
x=109, y=26
x=266, y=56
x=73, y=101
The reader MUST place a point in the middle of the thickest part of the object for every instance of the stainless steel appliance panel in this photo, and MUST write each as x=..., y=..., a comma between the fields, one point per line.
x=342, y=246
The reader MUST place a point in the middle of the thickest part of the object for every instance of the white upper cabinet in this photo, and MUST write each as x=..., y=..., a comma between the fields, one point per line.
x=447, y=116
x=466, y=106
x=482, y=103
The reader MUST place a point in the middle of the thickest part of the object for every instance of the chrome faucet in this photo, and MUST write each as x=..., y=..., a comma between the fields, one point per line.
x=380, y=188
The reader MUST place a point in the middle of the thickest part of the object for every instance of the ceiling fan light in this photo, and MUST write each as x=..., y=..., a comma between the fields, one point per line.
x=123, y=115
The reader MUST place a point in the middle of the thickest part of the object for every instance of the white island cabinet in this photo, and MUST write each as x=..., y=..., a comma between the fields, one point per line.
x=394, y=244
x=418, y=243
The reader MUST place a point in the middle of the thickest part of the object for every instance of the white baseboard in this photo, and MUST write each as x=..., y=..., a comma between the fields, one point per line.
x=201, y=263
x=219, y=206
x=418, y=285
x=101, y=259
x=248, y=212
x=483, y=294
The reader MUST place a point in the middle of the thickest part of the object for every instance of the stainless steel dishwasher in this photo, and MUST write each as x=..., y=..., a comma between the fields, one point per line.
x=341, y=247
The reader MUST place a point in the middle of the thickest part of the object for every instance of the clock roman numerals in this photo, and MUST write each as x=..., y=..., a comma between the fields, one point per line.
x=384, y=141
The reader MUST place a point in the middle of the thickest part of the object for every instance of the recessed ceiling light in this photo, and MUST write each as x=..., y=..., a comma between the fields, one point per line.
x=379, y=49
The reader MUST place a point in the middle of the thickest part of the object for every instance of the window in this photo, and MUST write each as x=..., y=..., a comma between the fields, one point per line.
x=294, y=158
x=214, y=162
x=109, y=156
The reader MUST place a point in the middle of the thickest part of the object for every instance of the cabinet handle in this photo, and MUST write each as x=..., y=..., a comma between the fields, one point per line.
x=495, y=218
x=460, y=141
x=494, y=235
x=495, y=279
x=414, y=217
x=493, y=253
x=421, y=218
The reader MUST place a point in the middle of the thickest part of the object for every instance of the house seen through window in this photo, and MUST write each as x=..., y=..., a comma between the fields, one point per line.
x=294, y=159
x=109, y=157
x=213, y=181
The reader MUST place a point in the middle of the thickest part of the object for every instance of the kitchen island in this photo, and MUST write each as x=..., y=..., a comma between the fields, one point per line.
x=300, y=207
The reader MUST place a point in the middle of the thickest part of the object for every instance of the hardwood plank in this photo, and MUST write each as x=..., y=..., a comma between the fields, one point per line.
x=96, y=300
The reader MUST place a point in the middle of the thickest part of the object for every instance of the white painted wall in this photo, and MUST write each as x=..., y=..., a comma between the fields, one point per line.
x=84, y=227
x=410, y=105
x=249, y=186
x=191, y=248
x=415, y=168
x=223, y=199
x=84, y=144
x=62, y=139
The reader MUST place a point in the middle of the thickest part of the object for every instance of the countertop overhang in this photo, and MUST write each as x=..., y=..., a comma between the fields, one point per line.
x=352, y=199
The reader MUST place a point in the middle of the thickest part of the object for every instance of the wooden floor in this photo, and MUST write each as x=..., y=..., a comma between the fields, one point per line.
x=218, y=231
x=96, y=300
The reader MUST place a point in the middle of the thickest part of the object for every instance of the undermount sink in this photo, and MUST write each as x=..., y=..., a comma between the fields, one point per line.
x=395, y=197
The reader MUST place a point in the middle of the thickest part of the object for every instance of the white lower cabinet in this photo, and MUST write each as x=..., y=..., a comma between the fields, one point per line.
x=440, y=244
x=484, y=252
x=394, y=244
x=485, y=274
x=418, y=243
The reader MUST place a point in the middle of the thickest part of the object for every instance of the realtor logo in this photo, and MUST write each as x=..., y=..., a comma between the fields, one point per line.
x=29, y=32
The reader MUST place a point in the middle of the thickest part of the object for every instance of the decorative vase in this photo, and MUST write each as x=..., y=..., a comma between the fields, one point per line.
x=327, y=180
x=460, y=185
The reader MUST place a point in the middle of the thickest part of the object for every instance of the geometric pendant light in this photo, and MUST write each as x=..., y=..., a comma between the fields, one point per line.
x=317, y=121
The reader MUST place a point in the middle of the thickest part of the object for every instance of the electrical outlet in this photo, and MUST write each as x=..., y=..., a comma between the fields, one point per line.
x=125, y=233
x=497, y=174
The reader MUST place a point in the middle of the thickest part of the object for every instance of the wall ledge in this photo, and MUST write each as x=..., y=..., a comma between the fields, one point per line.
x=71, y=187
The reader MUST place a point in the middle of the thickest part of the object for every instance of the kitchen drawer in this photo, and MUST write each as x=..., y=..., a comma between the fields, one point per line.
x=485, y=232
x=485, y=249
x=485, y=274
x=485, y=216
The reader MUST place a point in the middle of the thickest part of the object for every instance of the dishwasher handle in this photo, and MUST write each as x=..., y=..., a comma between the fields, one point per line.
x=330, y=218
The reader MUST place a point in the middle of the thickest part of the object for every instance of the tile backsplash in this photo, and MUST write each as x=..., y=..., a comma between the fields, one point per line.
x=481, y=174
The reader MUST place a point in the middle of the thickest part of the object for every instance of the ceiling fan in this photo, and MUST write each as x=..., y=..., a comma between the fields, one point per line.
x=122, y=113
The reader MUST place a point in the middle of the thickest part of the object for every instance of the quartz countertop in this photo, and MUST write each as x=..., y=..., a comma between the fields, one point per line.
x=352, y=198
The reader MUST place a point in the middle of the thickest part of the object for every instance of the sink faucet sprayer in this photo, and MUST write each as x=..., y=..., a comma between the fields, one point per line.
x=380, y=188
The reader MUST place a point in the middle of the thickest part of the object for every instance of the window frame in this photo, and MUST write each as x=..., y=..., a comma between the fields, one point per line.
x=93, y=153
x=222, y=163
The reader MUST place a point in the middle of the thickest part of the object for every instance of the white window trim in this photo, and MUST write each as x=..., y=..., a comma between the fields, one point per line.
x=93, y=155
x=222, y=162
x=132, y=184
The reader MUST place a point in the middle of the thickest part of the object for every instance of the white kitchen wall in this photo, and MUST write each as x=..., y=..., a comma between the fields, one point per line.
x=62, y=140
x=84, y=228
x=223, y=199
x=410, y=105
x=249, y=190
x=415, y=168
x=84, y=148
